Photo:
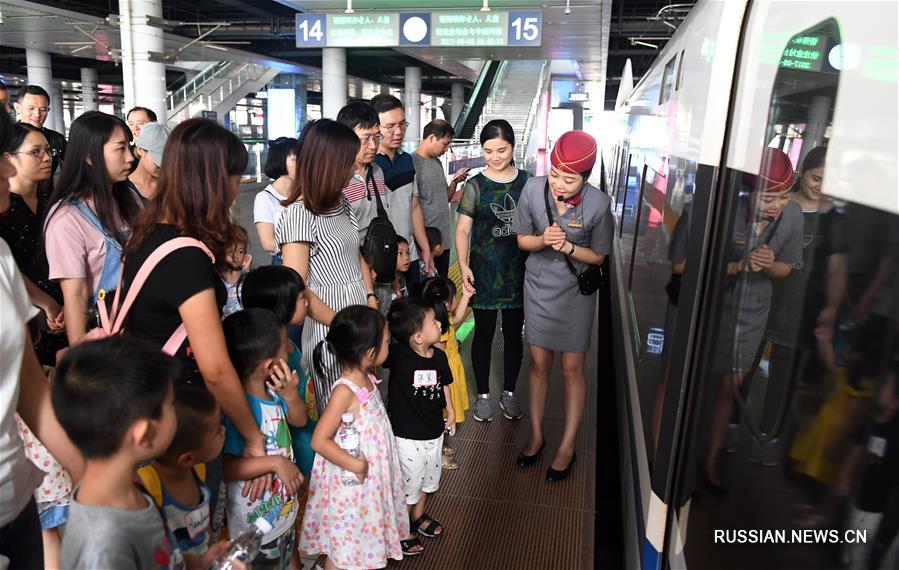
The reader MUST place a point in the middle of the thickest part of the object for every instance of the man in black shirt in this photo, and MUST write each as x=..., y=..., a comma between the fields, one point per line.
x=419, y=393
x=33, y=107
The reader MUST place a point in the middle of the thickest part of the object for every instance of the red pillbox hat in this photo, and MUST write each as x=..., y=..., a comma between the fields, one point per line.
x=776, y=174
x=575, y=152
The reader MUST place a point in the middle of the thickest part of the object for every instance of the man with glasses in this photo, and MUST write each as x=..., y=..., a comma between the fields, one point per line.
x=399, y=174
x=137, y=118
x=362, y=118
x=33, y=108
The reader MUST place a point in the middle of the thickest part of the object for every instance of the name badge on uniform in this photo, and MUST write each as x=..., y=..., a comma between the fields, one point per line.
x=424, y=378
x=575, y=225
x=197, y=521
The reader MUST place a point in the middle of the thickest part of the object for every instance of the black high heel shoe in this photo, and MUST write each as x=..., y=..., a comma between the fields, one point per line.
x=557, y=475
x=527, y=460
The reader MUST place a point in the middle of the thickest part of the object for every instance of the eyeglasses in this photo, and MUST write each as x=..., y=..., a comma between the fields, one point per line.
x=39, y=152
x=394, y=128
x=368, y=139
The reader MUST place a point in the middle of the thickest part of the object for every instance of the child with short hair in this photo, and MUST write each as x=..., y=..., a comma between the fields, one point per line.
x=419, y=395
x=176, y=479
x=435, y=243
x=440, y=292
x=386, y=293
x=257, y=346
x=356, y=526
x=114, y=399
x=281, y=290
x=237, y=263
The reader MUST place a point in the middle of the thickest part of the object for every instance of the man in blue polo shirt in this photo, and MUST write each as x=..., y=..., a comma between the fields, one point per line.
x=399, y=175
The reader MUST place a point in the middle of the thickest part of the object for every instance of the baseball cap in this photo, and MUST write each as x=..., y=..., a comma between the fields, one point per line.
x=152, y=139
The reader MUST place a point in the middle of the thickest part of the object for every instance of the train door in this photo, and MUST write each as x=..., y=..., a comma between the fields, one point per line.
x=790, y=458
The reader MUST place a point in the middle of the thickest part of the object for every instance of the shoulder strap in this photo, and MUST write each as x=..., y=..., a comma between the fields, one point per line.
x=89, y=215
x=370, y=177
x=348, y=384
x=151, y=483
x=143, y=274
x=773, y=231
x=549, y=216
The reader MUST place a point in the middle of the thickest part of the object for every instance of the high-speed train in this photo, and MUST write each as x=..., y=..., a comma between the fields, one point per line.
x=755, y=304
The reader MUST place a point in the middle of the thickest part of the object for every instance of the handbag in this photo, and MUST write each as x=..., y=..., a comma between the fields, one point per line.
x=590, y=279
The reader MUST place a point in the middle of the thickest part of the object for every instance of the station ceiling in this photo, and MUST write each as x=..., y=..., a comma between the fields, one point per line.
x=598, y=34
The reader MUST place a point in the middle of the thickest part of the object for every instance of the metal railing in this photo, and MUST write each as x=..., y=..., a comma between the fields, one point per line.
x=191, y=88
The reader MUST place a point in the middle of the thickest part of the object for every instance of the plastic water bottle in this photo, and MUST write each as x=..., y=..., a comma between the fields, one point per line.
x=348, y=440
x=245, y=547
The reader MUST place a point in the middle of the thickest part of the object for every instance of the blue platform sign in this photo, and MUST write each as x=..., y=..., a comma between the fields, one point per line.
x=525, y=28
x=312, y=30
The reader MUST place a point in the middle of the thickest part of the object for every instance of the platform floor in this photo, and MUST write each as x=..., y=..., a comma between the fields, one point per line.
x=499, y=516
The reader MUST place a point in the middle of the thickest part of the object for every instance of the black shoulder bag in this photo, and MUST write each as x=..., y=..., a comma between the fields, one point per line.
x=588, y=280
x=380, y=238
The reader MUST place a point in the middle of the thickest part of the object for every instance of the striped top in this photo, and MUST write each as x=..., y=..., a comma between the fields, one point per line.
x=364, y=205
x=334, y=241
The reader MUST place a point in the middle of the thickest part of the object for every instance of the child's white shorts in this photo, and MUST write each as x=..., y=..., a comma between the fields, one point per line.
x=421, y=465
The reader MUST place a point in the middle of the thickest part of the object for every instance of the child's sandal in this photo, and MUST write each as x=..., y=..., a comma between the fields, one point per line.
x=427, y=526
x=409, y=546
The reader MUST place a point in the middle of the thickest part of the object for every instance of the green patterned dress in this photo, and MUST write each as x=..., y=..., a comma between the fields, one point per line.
x=494, y=257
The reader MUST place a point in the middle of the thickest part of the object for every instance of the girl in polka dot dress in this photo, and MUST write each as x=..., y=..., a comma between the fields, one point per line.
x=356, y=526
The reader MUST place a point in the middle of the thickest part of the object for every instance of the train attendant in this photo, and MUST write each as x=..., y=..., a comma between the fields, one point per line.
x=491, y=262
x=558, y=312
x=767, y=241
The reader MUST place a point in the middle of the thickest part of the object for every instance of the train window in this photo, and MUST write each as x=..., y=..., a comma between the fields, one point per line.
x=680, y=71
x=667, y=80
x=799, y=392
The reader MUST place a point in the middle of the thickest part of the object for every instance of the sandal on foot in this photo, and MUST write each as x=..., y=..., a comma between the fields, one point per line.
x=427, y=526
x=409, y=545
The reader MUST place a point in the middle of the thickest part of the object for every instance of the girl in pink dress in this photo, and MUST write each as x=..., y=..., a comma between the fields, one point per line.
x=356, y=526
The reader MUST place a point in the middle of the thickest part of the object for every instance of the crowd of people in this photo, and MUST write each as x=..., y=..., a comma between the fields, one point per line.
x=193, y=392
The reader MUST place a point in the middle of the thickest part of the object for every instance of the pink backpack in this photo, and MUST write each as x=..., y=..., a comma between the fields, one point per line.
x=117, y=314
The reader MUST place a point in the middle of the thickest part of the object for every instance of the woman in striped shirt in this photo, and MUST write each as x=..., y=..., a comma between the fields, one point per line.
x=318, y=236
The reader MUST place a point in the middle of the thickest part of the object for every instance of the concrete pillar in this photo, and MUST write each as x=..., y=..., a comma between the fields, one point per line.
x=412, y=103
x=302, y=98
x=56, y=120
x=334, y=86
x=458, y=101
x=89, y=95
x=818, y=118
x=144, y=80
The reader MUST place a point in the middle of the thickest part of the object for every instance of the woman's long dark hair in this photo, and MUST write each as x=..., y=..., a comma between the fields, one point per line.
x=200, y=157
x=83, y=174
x=326, y=153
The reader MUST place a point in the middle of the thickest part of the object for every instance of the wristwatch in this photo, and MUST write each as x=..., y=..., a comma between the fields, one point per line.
x=570, y=253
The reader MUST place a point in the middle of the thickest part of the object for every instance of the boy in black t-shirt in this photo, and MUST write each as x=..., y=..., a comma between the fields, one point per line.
x=418, y=395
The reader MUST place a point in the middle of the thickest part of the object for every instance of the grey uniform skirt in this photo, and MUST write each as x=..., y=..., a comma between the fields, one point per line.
x=556, y=315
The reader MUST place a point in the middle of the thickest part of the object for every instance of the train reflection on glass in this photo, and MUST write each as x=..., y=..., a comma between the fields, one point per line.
x=756, y=282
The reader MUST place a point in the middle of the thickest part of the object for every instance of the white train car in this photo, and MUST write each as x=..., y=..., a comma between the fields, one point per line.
x=737, y=78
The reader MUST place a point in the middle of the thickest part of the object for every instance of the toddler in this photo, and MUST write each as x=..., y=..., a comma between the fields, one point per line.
x=280, y=289
x=257, y=346
x=419, y=394
x=114, y=399
x=176, y=479
x=237, y=263
x=449, y=309
x=435, y=243
x=356, y=526
x=387, y=292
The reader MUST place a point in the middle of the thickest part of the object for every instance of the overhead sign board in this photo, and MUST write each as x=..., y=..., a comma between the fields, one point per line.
x=436, y=29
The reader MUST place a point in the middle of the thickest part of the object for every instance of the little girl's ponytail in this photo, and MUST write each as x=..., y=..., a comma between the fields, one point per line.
x=318, y=356
x=438, y=292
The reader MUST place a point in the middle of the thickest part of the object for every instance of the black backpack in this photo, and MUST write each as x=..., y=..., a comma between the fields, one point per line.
x=380, y=238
